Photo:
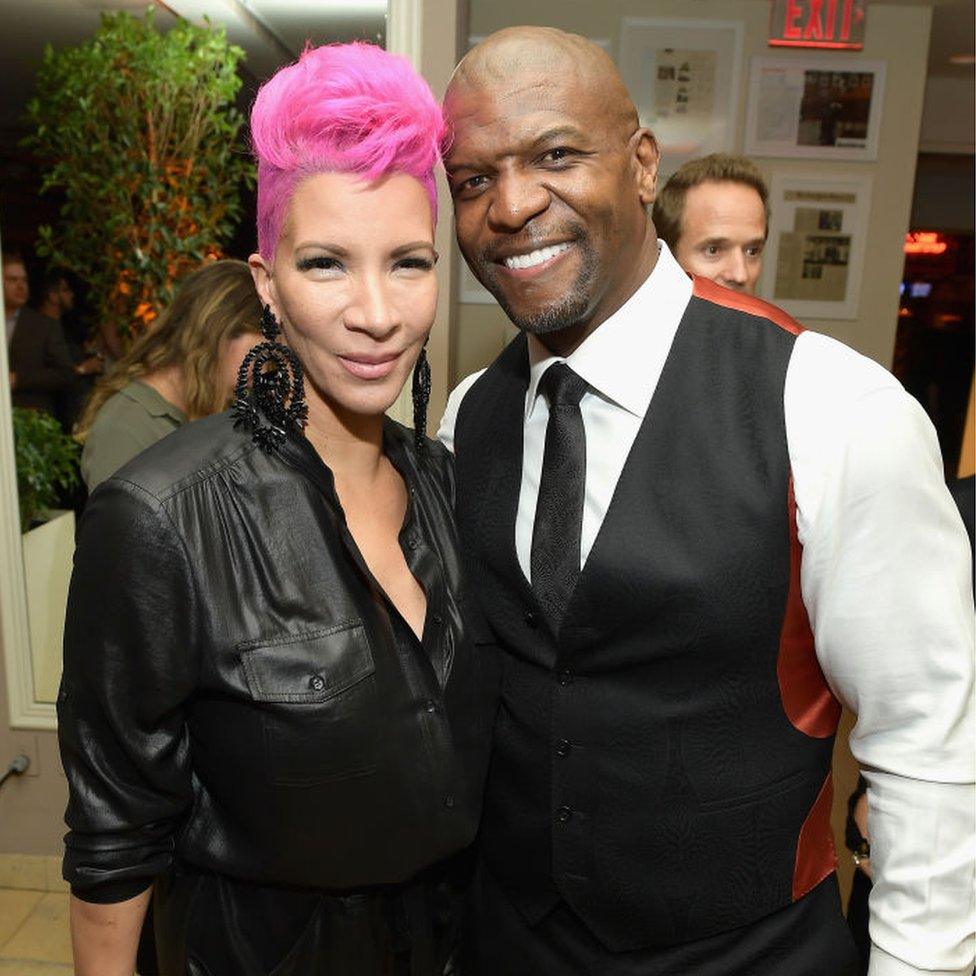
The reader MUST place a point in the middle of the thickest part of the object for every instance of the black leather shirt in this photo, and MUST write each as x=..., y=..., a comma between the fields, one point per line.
x=239, y=694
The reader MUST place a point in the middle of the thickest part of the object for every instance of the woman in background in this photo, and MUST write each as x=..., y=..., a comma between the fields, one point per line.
x=275, y=711
x=184, y=368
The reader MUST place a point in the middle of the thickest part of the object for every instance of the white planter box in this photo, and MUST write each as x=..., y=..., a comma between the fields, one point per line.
x=48, y=555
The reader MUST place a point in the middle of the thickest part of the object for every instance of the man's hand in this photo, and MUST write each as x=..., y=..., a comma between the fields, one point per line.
x=861, y=819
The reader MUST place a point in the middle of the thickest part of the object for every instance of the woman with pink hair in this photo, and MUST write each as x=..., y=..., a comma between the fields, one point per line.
x=274, y=716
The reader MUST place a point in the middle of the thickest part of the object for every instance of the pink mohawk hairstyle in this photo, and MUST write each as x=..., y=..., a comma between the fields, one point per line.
x=349, y=108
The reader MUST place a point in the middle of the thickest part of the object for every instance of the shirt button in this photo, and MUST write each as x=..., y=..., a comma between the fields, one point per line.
x=316, y=682
x=566, y=677
x=438, y=619
x=430, y=706
x=563, y=748
x=563, y=814
x=449, y=801
x=530, y=619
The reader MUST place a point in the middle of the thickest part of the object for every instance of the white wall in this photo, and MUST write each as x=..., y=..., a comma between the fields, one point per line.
x=898, y=35
x=949, y=116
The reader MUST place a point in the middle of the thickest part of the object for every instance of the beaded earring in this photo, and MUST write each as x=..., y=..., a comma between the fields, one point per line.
x=420, y=392
x=269, y=399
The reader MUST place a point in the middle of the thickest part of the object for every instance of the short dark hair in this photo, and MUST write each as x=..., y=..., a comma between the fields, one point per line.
x=52, y=278
x=669, y=205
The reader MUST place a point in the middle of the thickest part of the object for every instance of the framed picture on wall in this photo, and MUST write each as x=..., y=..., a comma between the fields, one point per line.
x=683, y=75
x=815, y=250
x=819, y=107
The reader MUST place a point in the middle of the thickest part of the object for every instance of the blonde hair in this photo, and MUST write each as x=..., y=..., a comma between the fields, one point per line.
x=213, y=305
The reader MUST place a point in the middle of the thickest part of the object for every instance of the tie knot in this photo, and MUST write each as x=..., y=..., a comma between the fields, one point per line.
x=562, y=387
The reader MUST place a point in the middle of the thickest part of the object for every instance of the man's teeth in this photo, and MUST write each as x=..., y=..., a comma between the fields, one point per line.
x=530, y=260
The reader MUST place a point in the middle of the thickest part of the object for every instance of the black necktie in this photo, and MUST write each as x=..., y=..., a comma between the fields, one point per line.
x=555, y=561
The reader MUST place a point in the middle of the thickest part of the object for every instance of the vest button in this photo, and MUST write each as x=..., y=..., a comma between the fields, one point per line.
x=563, y=748
x=563, y=814
x=430, y=706
x=316, y=682
x=565, y=677
x=530, y=619
x=449, y=801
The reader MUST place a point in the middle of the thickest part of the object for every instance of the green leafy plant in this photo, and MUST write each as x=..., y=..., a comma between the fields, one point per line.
x=46, y=461
x=139, y=131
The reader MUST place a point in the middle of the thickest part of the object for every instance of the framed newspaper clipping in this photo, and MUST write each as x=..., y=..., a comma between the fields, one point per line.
x=819, y=107
x=683, y=75
x=815, y=250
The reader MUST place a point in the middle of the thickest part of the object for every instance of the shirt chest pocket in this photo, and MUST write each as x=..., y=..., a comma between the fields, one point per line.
x=317, y=695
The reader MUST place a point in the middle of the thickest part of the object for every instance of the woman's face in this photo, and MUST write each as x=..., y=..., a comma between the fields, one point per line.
x=353, y=286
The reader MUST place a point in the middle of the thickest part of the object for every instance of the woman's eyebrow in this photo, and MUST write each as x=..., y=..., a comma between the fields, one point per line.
x=413, y=246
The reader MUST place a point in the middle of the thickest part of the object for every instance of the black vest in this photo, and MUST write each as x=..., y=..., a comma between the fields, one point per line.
x=662, y=766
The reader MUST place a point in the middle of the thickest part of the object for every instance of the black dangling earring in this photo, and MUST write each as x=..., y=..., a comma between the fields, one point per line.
x=420, y=390
x=269, y=399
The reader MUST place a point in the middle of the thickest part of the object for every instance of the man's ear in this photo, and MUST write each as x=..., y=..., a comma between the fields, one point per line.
x=263, y=282
x=647, y=157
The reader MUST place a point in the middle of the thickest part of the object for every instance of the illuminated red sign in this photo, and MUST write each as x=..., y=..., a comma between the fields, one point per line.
x=925, y=242
x=837, y=24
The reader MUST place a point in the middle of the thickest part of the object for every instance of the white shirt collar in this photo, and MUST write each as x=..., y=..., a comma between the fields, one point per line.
x=623, y=358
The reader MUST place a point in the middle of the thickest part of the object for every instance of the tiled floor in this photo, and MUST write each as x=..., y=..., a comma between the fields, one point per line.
x=34, y=937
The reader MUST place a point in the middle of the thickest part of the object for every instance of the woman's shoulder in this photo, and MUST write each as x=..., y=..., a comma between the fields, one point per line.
x=192, y=453
x=122, y=406
x=127, y=423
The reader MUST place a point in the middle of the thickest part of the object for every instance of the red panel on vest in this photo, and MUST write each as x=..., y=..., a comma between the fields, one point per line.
x=807, y=699
x=815, y=856
x=711, y=292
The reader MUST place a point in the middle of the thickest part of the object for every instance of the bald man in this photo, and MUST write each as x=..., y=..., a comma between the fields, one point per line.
x=694, y=529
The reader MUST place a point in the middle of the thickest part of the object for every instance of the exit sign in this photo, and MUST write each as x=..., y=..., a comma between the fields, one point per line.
x=837, y=24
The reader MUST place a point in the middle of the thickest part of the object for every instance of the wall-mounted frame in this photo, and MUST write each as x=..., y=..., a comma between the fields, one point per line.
x=817, y=238
x=816, y=107
x=683, y=75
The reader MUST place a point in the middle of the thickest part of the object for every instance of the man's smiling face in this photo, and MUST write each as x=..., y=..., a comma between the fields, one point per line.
x=549, y=191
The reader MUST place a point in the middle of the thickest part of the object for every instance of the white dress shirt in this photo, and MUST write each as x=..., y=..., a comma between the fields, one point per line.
x=885, y=579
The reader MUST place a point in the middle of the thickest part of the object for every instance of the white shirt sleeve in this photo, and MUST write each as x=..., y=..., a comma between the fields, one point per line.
x=445, y=433
x=886, y=582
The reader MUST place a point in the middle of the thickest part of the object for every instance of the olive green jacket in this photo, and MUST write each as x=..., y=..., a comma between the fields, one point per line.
x=127, y=423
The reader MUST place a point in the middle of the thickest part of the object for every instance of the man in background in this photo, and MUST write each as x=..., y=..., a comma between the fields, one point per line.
x=713, y=214
x=57, y=295
x=39, y=361
x=58, y=302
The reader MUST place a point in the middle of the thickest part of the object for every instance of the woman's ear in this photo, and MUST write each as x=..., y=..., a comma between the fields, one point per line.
x=263, y=283
x=647, y=157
